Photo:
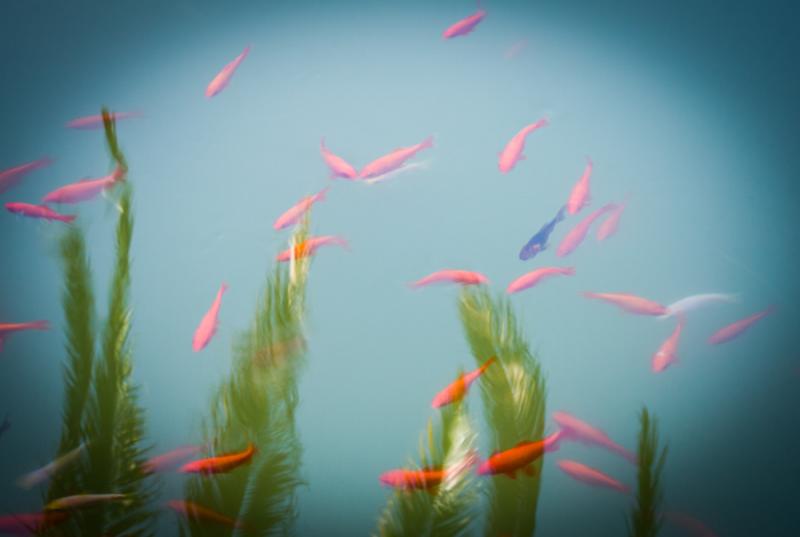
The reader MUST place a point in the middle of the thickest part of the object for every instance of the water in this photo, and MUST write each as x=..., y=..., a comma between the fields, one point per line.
x=689, y=109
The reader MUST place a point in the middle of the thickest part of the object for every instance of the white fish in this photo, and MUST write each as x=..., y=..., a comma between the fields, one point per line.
x=696, y=301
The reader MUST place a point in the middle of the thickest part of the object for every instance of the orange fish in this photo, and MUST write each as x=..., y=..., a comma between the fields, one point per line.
x=426, y=478
x=309, y=246
x=220, y=464
x=519, y=457
x=458, y=389
x=196, y=511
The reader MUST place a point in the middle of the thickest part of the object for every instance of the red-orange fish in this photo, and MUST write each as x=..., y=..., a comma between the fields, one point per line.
x=310, y=246
x=221, y=463
x=458, y=389
x=519, y=457
x=196, y=511
x=426, y=478
x=8, y=328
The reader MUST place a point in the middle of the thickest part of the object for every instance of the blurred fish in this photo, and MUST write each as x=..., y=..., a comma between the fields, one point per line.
x=38, y=211
x=30, y=480
x=170, y=460
x=667, y=353
x=195, y=511
x=6, y=425
x=514, y=50
x=630, y=303
x=696, y=301
x=425, y=478
x=79, y=501
x=609, y=226
x=221, y=463
x=576, y=430
x=530, y=279
x=575, y=237
x=405, y=168
x=463, y=277
x=337, y=165
x=512, y=153
x=208, y=324
x=590, y=476
x=539, y=242
x=690, y=524
x=394, y=160
x=8, y=328
x=309, y=247
x=458, y=389
x=84, y=189
x=95, y=122
x=519, y=457
x=465, y=26
x=224, y=77
x=294, y=214
x=580, y=196
x=12, y=176
x=734, y=330
x=30, y=523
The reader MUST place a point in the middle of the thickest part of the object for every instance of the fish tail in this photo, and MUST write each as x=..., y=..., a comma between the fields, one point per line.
x=568, y=271
x=40, y=325
x=589, y=294
x=487, y=363
x=321, y=195
x=427, y=143
x=560, y=215
x=223, y=288
x=68, y=218
x=772, y=308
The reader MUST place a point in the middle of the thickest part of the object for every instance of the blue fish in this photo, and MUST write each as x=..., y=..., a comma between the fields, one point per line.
x=539, y=241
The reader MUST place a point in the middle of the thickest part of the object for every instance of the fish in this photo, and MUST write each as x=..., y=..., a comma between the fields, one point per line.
x=519, y=457
x=170, y=460
x=693, y=302
x=667, y=353
x=337, y=165
x=310, y=246
x=591, y=476
x=426, y=478
x=196, y=511
x=79, y=501
x=38, y=211
x=6, y=425
x=580, y=196
x=512, y=153
x=208, y=324
x=690, y=524
x=224, y=77
x=458, y=389
x=575, y=237
x=609, y=226
x=539, y=242
x=36, y=477
x=576, y=430
x=8, y=328
x=533, y=277
x=12, y=176
x=84, y=189
x=394, y=160
x=463, y=277
x=736, y=329
x=220, y=464
x=465, y=26
x=96, y=121
x=30, y=523
x=295, y=213
x=630, y=303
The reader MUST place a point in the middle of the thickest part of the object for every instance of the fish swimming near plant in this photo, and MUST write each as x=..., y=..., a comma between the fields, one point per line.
x=466, y=25
x=208, y=324
x=220, y=82
x=170, y=460
x=296, y=212
x=591, y=476
x=85, y=189
x=7, y=329
x=580, y=195
x=575, y=237
x=667, y=353
x=630, y=303
x=309, y=247
x=42, y=212
x=195, y=511
x=520, y=457
x=463, y=277
x=576, y=430
x=221, y=463
x=456, y=391
x=736, y=329
x=12, y=176
x=426, y=478
x=693, y=302
x=96, y=121
x=539, y=242
x=394, y=160
x=338, y=166
x=526, y=281
x=512, y=152
x=81, y=501
x=36, y=477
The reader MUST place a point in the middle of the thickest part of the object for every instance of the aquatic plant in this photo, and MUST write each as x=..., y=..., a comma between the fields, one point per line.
x=513, y=393
x=645, y=519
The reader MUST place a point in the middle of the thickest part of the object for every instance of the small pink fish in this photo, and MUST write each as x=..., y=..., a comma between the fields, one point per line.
x=7, y=329
x=338, y=166
x=690, y=524
x=170, y=460
x=208, y=325
x=667, y=353
x=579, y=431
x=293, y=215
x=630, y=303
x=310, y=246
x=580, y=197
x=465, y=26
x=38, y=211
x=733, y=330
x=512, y=153
x=85, y=189
x=463, y=277
x=394, y=160
x=535, y=276
x=609, y=226
x=590, y=476
x=575, y=237
x=95, y=122
x=12, y=176
x=224, y=77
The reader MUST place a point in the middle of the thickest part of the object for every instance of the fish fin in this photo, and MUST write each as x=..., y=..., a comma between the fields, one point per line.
x=427, y=142
x=512, y=474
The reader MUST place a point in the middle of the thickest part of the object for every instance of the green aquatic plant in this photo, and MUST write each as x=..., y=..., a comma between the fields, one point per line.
x=513, y=392
x=645, y=519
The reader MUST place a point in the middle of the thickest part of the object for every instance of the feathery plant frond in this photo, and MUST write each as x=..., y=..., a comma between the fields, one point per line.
x=645, y=519
x=513, y=393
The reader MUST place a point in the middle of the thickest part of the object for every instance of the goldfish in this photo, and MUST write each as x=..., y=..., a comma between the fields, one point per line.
x=630, y=303
x=79, y=501
x=519, y=457
x=38, y=211
x=221, y=463
x=84, y=189
x=94, y=122
x=458, y=389
x=7, y=328
x=689, y=303
x=465, y=26
x=538, y=242
x=208, y=325
x=580, y=197
x=170, y=460
x=336, y=164
x=463, y=277
x=44, y=473
x=30, y=523
x=667, y=353
x=533, y=277
x=691, y=524
x=394, y=160
x=12, y=176
x=196, y=511
x=734, y=330
x=295, y=213
x=512, y=153
x=575, y=237
x=310, y=246
x=609, y=226
x=590, y=476
x=425, y=478
x=579, y=431
x=224, y=77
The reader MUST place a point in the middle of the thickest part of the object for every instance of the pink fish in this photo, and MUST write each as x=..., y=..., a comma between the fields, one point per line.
x=85, y=189
x=7, y=329
x=338, y=166
x=293, y=215
x=690, y=524
x=38, y=211
x=95, y=122
x=590, y=476
x=667, y=353
x=208, y=325
x=630, y=303
x=580, y=197
x=170, y=460
x=514, y=50
x=394, y=160
x=535, y=276
x=579, y=431
x=512, y=153
x=310, y=246
x=463, y=277
x=12, y=176
x=224, y=77
x=575, y=237
x=465, y=26
x=609, y=226
x=736, y=329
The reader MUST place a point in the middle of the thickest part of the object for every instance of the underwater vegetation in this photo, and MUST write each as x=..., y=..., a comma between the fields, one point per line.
x=645, y=519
